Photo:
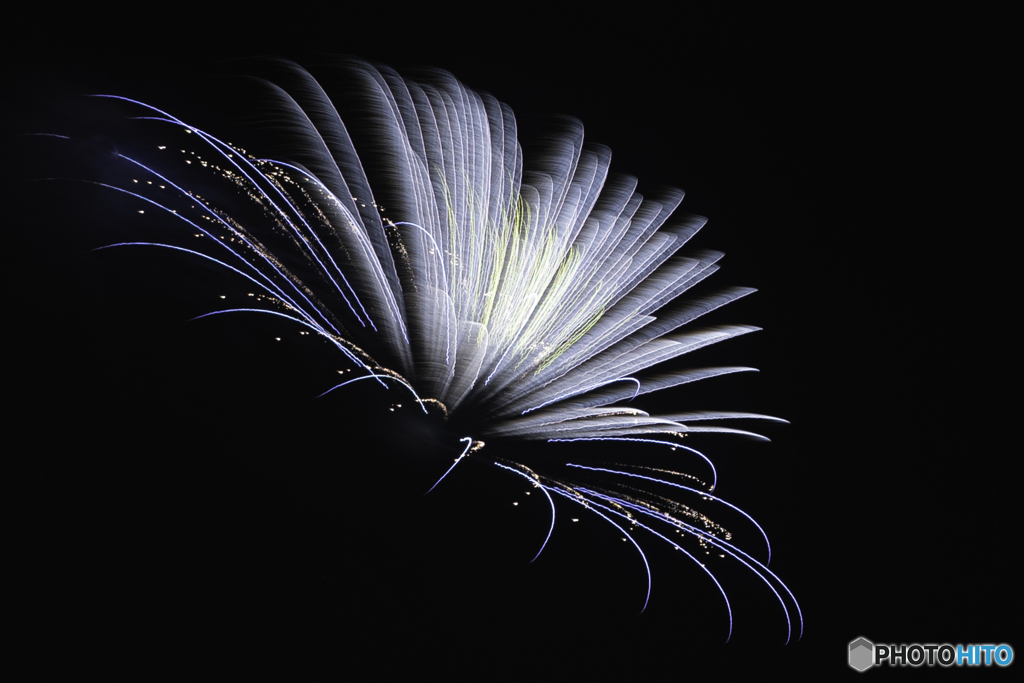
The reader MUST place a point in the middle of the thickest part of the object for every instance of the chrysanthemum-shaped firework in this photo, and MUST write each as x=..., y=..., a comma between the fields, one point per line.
x=521, y=299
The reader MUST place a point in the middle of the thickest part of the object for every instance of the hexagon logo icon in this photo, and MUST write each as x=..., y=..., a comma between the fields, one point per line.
x=862, y=654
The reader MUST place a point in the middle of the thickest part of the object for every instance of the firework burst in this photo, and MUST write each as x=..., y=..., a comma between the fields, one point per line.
x=516, y=299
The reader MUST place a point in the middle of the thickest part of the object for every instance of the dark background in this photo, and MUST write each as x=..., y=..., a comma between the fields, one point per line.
x=183, y=499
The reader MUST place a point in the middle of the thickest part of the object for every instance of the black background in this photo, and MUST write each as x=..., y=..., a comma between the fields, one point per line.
x=182, y=500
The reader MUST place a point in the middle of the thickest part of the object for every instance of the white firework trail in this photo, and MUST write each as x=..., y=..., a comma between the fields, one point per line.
x=529, y=300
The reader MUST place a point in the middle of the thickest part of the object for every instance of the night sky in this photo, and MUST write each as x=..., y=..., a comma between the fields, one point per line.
x=182, y=497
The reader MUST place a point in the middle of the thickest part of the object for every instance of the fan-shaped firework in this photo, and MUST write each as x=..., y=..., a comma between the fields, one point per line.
x=522, y=299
